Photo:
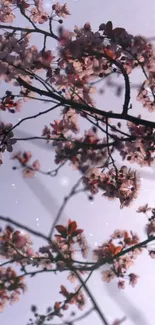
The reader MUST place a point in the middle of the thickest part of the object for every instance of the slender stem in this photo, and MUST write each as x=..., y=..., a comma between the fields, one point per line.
x=7, y=262
x=109, y=153
x=30, y=118
x=66, y=199
x=96, y=307
x=74, y=320
x=30, y=30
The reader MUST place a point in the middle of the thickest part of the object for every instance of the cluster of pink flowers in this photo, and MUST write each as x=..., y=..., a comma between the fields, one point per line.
x=69, y=122
x=119, y=241
x=9, y=103
x=34, y=11
x=6, y=137
x=68, y=238
x=123, y=184
x=61, y=10
x=17, y=247
x=140, y=150
x=80, y=152
x=24, y=158
x=11, y=286
x=14, y=244
x=78, y=299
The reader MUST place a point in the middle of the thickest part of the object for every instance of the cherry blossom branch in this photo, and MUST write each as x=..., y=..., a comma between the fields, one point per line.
x=30, y=118
x=22, y=11
x=77, y=319
x=44, y=270
x=79, y=144
x=87, y=108
x=30, y=30
x=96, y=265
x=123, y=252
x=96, y=307
x=67, y=300
x=51, y=173
x=85, y=287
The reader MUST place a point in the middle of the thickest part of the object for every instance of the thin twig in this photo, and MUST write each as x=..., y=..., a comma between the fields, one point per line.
x=109, y=153
x=66, y=199
x=30, y=118
x=77, y=319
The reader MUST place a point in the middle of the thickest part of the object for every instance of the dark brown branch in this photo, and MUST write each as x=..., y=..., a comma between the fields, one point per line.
x=7, y=262
x=110, y=154
x=51, y=173
x=29, y=30
x=83, y=284
x=125, y=75
x=79, y=107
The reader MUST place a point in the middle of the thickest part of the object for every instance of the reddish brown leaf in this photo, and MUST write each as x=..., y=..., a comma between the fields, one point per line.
x=118, y=31
x=71, y=227
x=109, y=53
x=108, y=28
x=77, y=232
x=57, y=306
x=64, y=291
x=118, y=250
x=62, y=230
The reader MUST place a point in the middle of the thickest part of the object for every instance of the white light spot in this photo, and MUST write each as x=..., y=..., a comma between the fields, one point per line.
x=19, y=119
x=91, y=235
x=107, y=224
x=48, y=4
x=38, y=224
x=13, y=185
x=64, y=181
x=96, y=243
x=37, y=219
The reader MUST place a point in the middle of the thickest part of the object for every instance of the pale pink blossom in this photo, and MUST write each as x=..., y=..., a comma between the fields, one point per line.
x=108, y=275
x=133, y=279
x=61, y=10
